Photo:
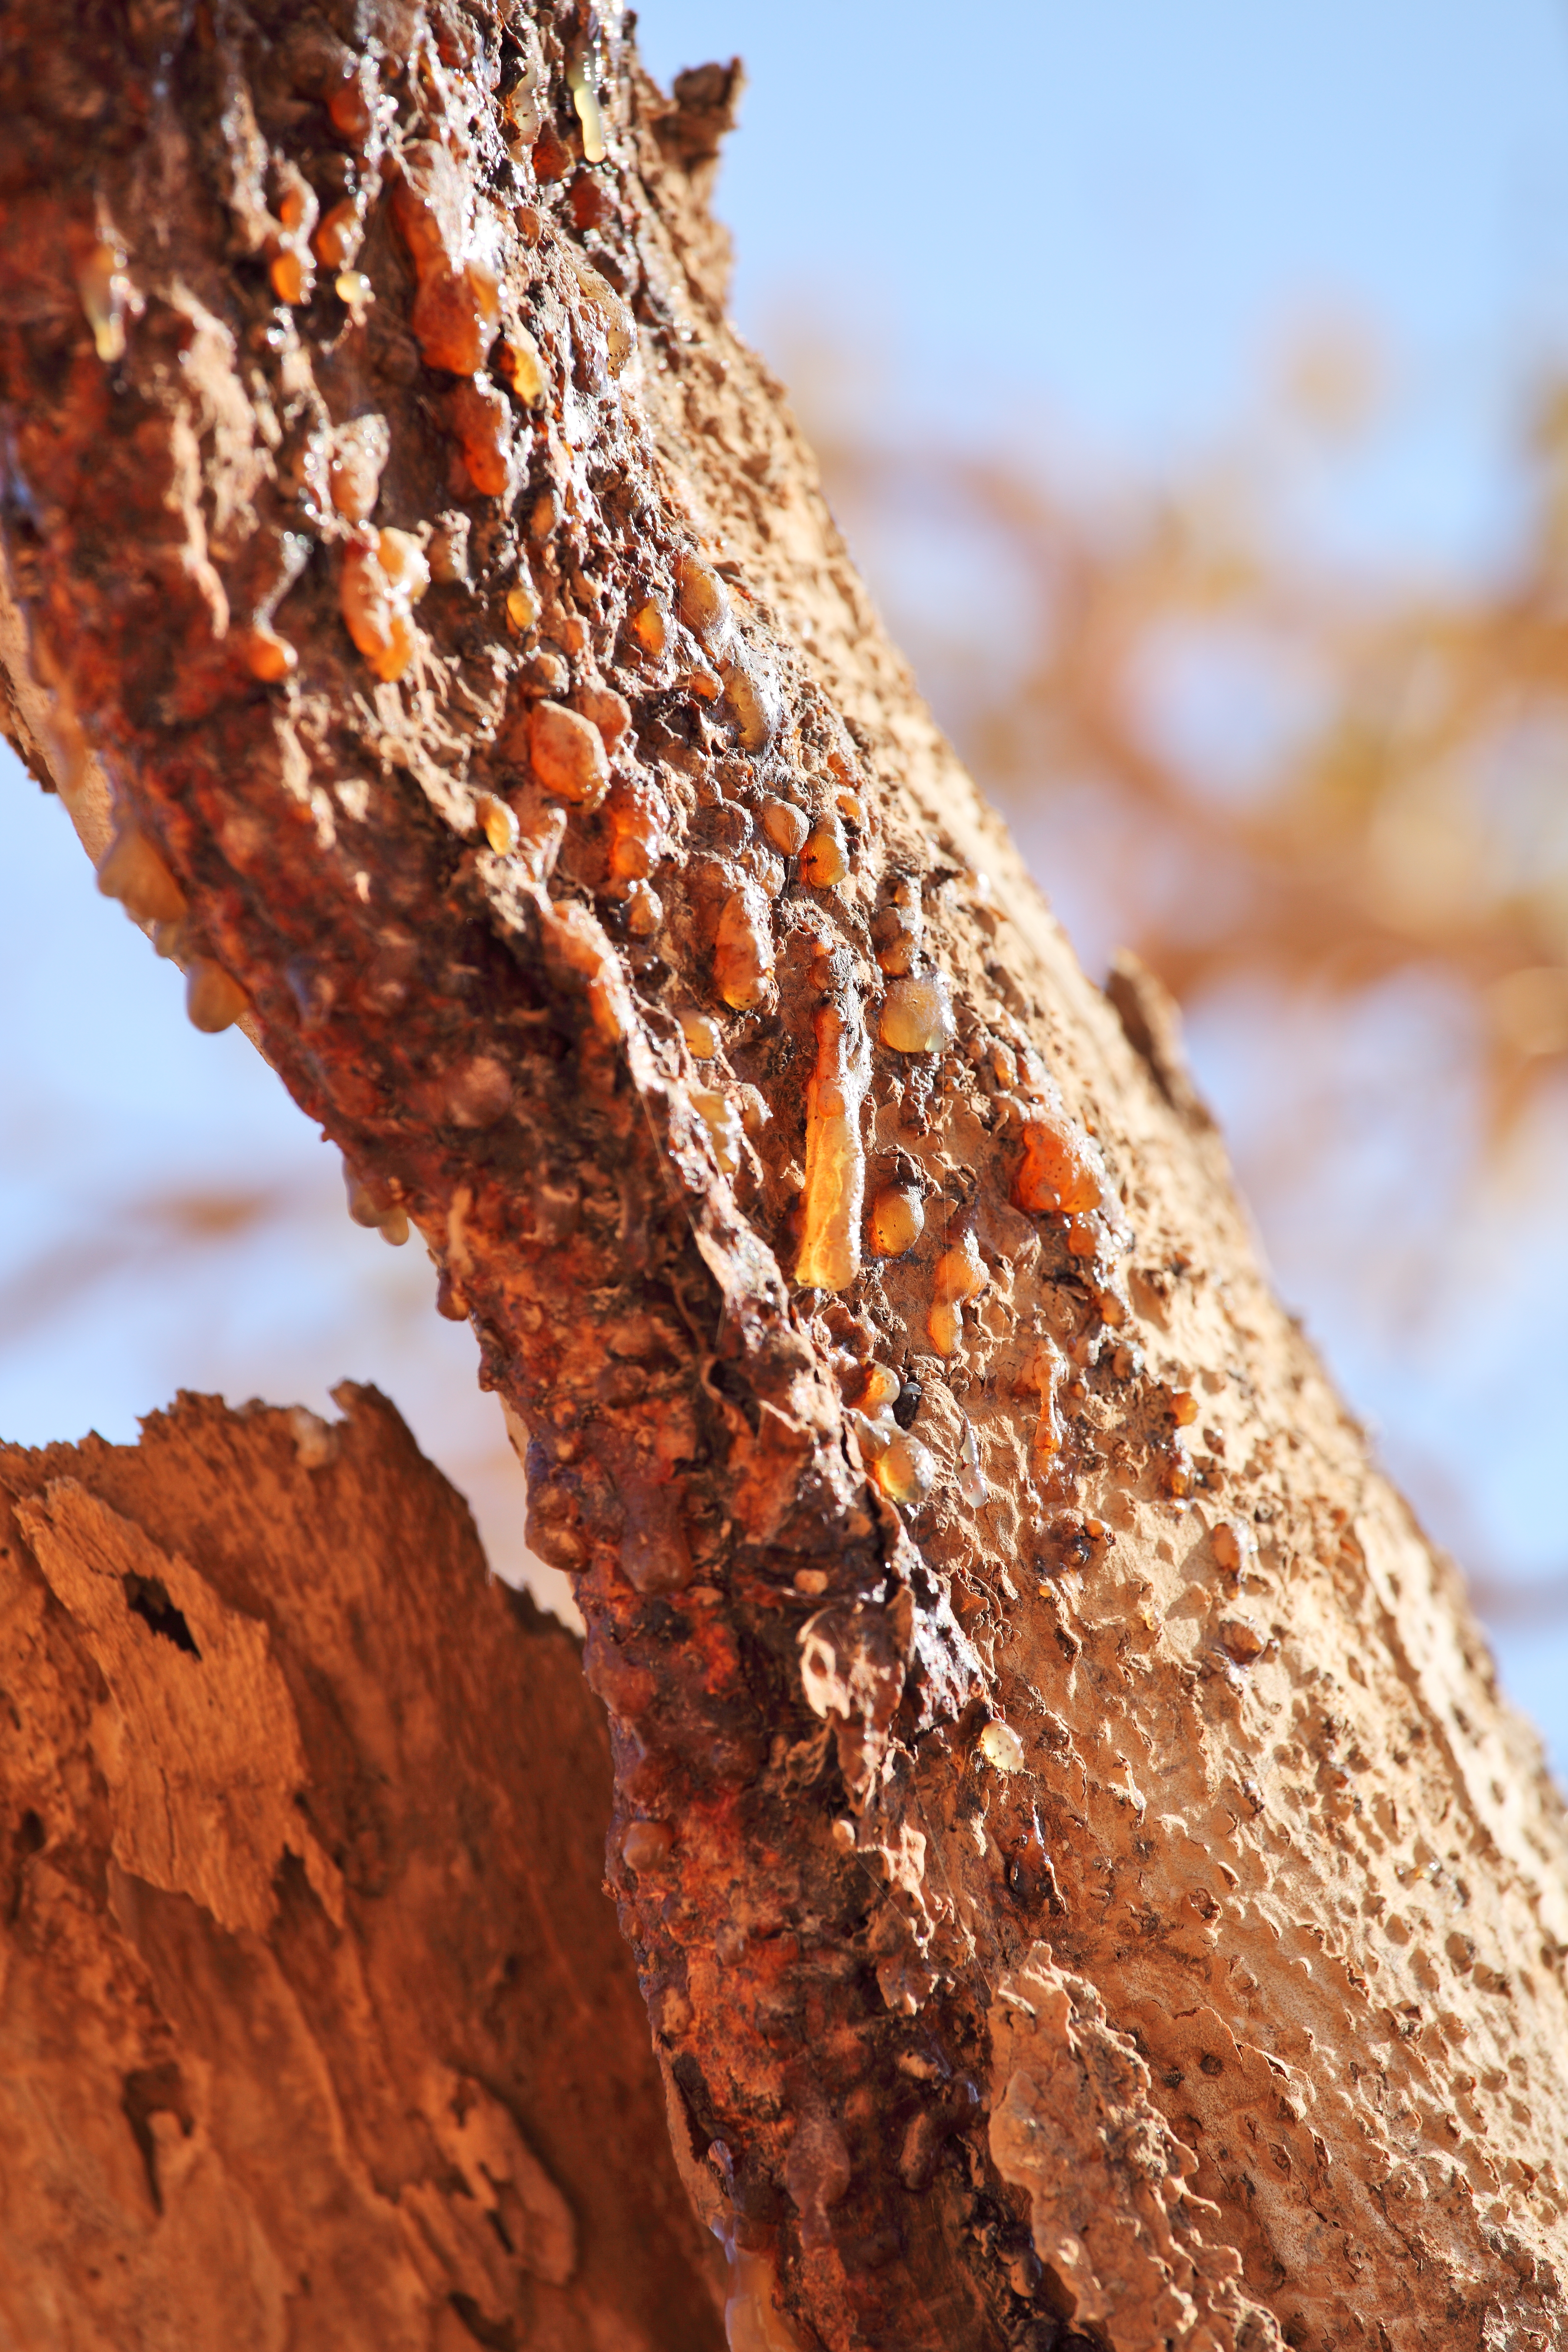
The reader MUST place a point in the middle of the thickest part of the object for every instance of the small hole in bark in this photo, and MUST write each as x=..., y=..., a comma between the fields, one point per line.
x=28, y=1841
x=495, y=2334
x=147, y=1597
x=154, y=2091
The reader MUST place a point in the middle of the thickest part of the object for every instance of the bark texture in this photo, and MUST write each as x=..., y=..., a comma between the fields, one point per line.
x=317, y=2029
x=1081, y=1875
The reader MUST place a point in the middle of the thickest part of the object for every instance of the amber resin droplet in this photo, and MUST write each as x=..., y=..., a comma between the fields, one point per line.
x=498, y=823
x=650, y=626
x=360, y=451
x=701, y=598
x=1001, y=1747
x=906, y=1473
x=961, y=1274
x=718, y=1114
x=132, y=872
x=1059, y=1171
x=824, y=860
x=521, y=362
x=701, y=1034
x=213, y=1001
x=785, y=826
x=568, y=755
x=898, y=1221
x=647, y=1844
x=743, y=952
x=376, y=611
x=835, y=1159
x=916, y=1014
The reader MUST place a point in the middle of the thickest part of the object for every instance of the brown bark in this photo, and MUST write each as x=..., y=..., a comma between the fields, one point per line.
x=1081, y=1874
x=317, y=2030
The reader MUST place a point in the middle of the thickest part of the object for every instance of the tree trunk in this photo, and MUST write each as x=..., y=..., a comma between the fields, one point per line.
x=1081, y=1875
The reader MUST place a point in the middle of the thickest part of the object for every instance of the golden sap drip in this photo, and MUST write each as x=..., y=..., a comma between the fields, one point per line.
x=898, y=1221
x=961, y=1274
x=590, y=114
x=834, y=1160
x=743, y=952
x=916, y=1014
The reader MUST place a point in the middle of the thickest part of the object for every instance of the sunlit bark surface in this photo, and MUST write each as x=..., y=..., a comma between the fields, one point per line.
x=1083, y=1879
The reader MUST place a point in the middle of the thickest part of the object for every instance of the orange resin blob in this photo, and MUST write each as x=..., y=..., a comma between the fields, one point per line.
x=1059, y=1171
x=834, y=1158
x=916, y=1014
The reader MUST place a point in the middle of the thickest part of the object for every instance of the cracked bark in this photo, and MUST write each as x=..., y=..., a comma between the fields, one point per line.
x=1080, y=1872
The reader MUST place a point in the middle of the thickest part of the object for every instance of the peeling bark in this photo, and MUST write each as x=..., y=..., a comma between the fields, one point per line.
x=317, y=2029
x=1081, y=1875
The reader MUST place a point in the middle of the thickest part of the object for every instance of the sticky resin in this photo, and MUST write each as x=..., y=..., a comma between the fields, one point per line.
x=354, y=291
x=360, y=451
x=835, y=1160
x=650, y=626
x=106, y=296
x=132, y=872
x=370, y=1204
x=898, y=930
x=753, y=2320
x=971, y=1476
x=338, y=240
x=614, y=320
x=581, y=82
x=824, y=860
x=457, y=308
x=1044, y=1373
x=523, y=105
x=701, y=599
x=882, y=1389
x=906, y=1473
x=743, y=952
x=521, y=608
x=785, y=826
x=897, y=1220
x=1060, y=1171
x=645, y=911
x=293, y=265
x=701, y=1034
x=568, y=755
x=1001, y=1747
x=719, y=1116
x=645, y=1845
x=960, y=1275
x=482, y=422
x=383, y=572
x=636, y=818
x=213, y=1001
x=268, y=656
x=521, y=362
x=751, y=708
x=498, y=823
x=916, y=1014
x=1235, y=1545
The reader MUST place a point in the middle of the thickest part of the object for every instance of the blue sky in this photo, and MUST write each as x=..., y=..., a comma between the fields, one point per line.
x=1107, y=222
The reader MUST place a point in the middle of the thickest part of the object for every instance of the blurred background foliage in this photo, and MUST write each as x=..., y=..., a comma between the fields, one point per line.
x=1255, y=628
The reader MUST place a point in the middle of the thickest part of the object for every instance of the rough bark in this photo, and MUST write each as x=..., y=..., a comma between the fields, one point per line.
x=317, y=2029
x=1080, y=1872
